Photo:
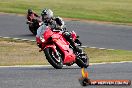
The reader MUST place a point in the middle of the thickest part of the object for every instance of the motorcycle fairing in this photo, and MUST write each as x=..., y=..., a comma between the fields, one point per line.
x=61, y=42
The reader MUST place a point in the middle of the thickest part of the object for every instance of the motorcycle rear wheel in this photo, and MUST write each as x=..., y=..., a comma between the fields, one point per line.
x=50, y=56
x=82, y=62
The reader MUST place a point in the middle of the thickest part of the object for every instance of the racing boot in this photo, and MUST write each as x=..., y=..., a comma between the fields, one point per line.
x=69, y=38
x=75, y=48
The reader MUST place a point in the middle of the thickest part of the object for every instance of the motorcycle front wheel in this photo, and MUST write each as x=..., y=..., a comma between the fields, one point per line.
x=33, y=30
x=53, y=59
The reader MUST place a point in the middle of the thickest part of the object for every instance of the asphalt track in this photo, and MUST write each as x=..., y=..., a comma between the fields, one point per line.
x=48, y=77
x=91, y=34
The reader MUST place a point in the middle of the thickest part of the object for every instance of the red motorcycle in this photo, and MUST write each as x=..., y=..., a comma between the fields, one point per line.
x=34, y=25
x=58, y=51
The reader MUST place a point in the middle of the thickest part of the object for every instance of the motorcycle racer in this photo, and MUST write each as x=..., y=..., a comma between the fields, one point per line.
x=31, y=15
x=56, y=24
x=33, y=21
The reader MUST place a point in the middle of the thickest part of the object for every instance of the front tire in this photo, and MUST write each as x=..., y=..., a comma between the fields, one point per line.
x=33, y=30
x=50, y=56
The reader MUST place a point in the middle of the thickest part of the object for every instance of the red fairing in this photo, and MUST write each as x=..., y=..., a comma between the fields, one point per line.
x=48, y=33
x=61, y=43
x=69, y=56
x=38, y=40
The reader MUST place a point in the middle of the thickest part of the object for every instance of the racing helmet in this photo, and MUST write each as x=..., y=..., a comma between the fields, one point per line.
x=30, y=11
x=46, y=14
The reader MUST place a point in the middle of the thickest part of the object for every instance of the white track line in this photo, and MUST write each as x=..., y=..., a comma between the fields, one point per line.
x=35, y=40
x=18, y=39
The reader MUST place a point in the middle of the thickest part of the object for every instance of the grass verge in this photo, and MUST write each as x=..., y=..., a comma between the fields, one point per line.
x=101, y=10
x=17, y=52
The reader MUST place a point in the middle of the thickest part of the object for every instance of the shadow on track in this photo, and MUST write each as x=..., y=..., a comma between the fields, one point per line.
x=45, y=68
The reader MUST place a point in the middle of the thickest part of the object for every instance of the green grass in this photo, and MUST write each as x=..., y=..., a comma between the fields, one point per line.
x=101, y=10
x=14, y=52
x=98, y=56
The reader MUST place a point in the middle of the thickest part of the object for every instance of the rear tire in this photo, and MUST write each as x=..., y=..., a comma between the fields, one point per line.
x=82, y=62
x=51, y=59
